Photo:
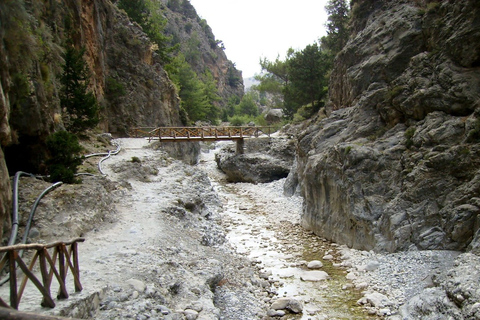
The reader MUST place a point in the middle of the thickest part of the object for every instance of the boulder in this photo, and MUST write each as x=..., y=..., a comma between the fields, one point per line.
x=290, y=304
x=264, y=160
x=274, y=115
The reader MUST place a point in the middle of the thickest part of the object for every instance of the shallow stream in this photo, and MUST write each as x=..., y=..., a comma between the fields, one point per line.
x=263, y=225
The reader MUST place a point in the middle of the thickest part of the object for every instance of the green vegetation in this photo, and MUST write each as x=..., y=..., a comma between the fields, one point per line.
x=299, y=84
x=80, y=104
x=409, y=133
x=114, y=88
x=136, y=160
x=149, y=15
x=198, y=95
x=64, y=158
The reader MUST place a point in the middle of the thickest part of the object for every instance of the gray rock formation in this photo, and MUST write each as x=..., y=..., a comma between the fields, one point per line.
x=264, y=160
x=395, y=164
x=455, y=297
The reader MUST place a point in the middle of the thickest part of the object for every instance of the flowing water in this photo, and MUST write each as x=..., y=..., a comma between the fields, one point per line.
x=263, y=225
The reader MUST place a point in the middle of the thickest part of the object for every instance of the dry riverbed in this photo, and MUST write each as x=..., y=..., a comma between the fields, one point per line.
x=174, y=241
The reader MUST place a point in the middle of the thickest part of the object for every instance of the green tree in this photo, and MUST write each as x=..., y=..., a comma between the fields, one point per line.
x=337, y=25
x=211, y=94
x=80, y=104
x=64, y=151
x=191, y=90
x=247, y=106
x=308, y=70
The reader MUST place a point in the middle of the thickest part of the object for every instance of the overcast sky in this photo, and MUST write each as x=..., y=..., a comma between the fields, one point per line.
x=251, y=29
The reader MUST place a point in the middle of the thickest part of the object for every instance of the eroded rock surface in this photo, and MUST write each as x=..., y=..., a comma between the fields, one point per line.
x=264, y=160
x=395, y=164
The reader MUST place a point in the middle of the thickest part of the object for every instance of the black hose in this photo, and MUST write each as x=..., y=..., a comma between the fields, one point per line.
x=13, y=234
x=32, y=212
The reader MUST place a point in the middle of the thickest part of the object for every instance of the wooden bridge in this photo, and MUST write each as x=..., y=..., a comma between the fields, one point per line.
x=202, y=134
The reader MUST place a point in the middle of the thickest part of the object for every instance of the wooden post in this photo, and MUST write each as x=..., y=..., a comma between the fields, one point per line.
x=13, y=279
x=240, y=144
x=62, y=294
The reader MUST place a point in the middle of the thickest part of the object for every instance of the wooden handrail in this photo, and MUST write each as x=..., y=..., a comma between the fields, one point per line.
x=200, y=133
x=47, y=269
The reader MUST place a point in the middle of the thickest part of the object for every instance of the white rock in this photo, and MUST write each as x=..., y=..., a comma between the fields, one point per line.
x=351, y=276
x=314, y=264
x=291, y=304
x=190, y=314
x=327, y=257
x=137, y=285
x=275, y=313
x=372, y=265
x=314, y=276
x=378, y=300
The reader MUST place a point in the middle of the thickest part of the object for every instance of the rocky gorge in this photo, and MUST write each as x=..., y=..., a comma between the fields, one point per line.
x=387, y=172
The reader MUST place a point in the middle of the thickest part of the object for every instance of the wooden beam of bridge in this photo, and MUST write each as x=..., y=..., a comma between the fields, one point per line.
x=200, y=133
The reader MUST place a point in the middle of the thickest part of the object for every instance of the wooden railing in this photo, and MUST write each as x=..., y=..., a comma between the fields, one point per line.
x=200, y=133
x=67, y=259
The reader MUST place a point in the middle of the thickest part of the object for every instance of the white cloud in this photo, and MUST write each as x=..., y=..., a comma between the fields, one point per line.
x=251, y=29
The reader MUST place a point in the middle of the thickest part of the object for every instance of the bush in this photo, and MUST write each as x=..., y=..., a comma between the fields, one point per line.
x=409, y=133
x=64, y=159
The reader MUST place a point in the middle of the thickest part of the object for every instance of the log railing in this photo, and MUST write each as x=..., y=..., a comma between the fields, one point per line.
x=200, y=133
x=65, y=252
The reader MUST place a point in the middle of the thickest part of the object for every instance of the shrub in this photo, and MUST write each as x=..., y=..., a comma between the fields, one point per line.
x=64, y=158
x=408, y=136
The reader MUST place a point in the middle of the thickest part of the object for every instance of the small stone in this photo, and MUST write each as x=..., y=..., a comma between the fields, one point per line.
x=163, y=310
x=314, y=264
x=293, y=305
x=372, y=265
x=137, y=284
x=351, y=276
x=275, y=313
x=327, y=257
x=190, y=314
x=265, y=275
x=378, y=300
x=314, y=276
x=135, y=295
x=34, y=233
x=197, y=306
x=384, y=312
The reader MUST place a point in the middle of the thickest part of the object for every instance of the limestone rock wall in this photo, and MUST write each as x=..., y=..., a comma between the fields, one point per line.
x=127, y=77
x=395, y=165
x=202, y=50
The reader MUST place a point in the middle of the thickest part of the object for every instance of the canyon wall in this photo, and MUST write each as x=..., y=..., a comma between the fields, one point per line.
x=127, y=76
x=393, y=163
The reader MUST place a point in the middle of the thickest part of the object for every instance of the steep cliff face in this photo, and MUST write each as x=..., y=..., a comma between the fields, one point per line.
x=127, y=78
x=395, y=162
x=202, y=50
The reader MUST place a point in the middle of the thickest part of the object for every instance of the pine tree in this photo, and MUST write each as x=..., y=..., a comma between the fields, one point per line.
x=80, y=104
x=337, y=25
x=64, y=159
